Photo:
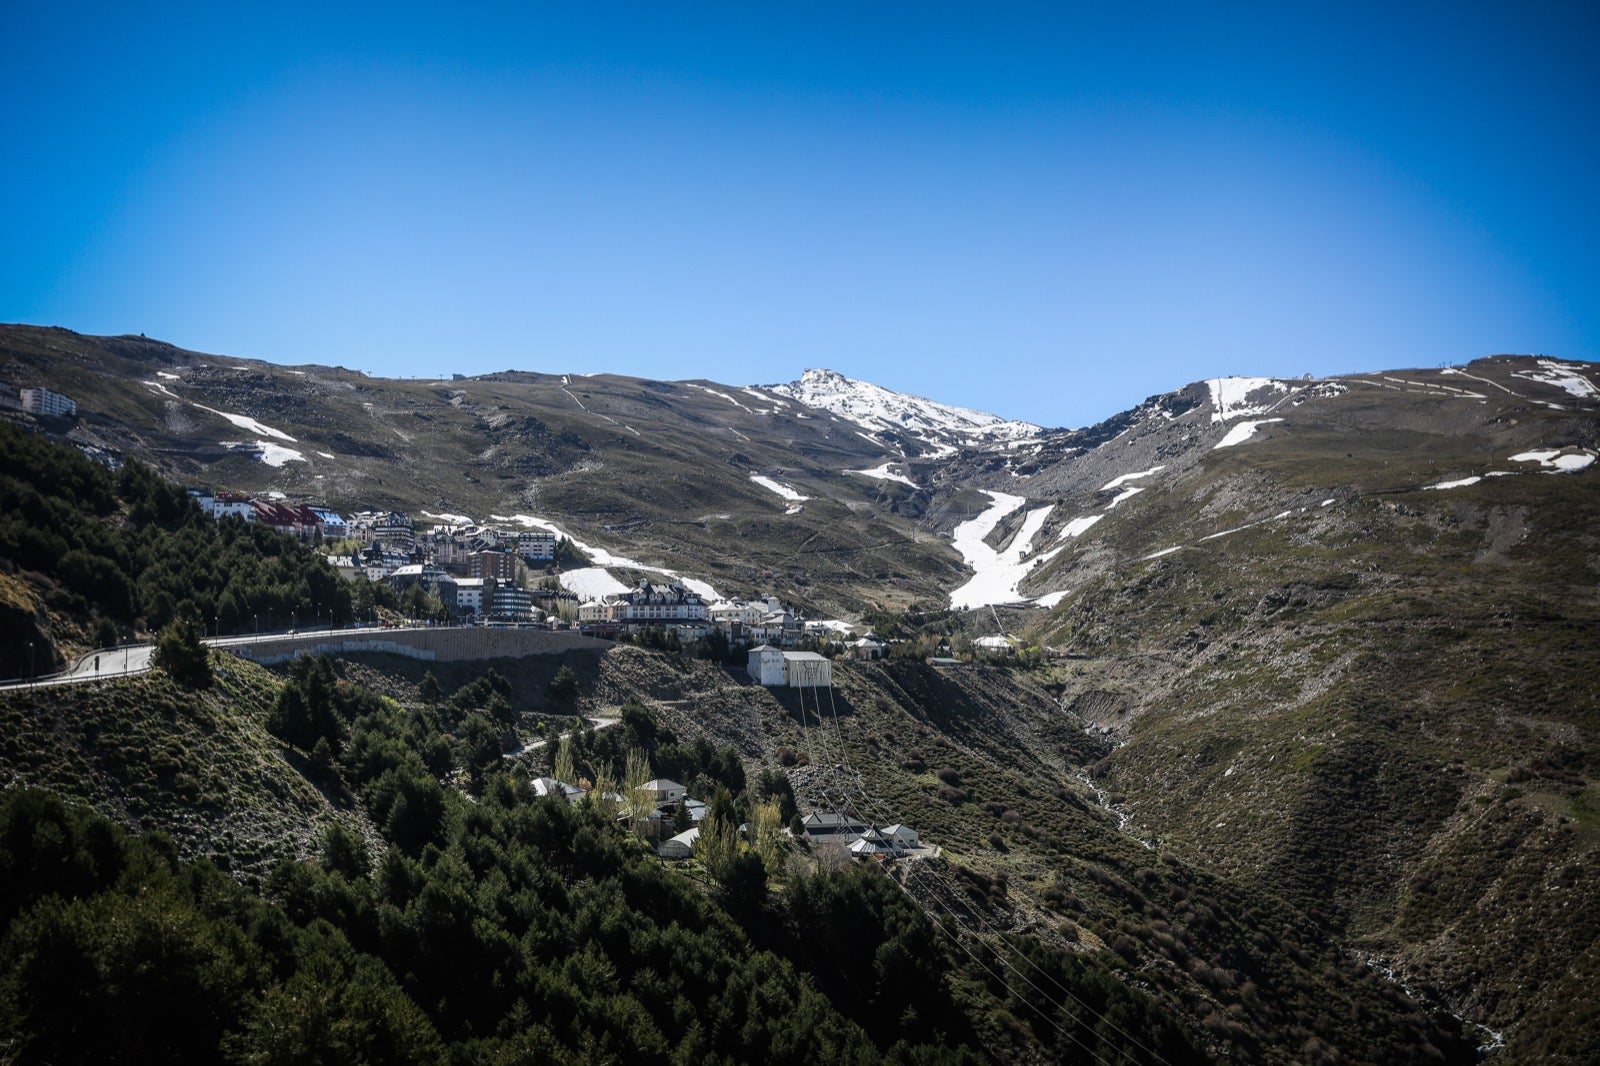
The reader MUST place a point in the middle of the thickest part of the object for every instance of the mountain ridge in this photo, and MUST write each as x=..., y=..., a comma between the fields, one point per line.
x=1331, y=639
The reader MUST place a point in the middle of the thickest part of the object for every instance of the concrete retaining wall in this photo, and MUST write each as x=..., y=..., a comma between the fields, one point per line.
x=439, y=644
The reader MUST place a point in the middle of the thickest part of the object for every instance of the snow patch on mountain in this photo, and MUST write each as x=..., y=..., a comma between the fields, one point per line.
x=996, y=574
x=1242, y=432
x=1564, y=376
x=1235, y=397
x=586, y=581
x=1117, y=482
x=266, y=451
x=249, y=424
x=788, y=493
x=450, y=519
x=1131, y=490
x=883, y=473
x=724, y=395
x=1458, y=484
x=879, y=410
x=591, y=582
x=1554, y=462
x=1079, y=526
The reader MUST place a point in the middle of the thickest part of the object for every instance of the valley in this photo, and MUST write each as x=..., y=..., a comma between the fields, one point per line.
x=1274, y=701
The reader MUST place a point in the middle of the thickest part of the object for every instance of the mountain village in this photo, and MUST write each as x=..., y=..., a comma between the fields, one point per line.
x=482, y=574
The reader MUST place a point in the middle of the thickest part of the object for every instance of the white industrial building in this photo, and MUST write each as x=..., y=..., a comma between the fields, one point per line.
x=775, y=667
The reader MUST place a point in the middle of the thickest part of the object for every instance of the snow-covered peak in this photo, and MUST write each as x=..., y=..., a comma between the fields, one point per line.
x=878, y=410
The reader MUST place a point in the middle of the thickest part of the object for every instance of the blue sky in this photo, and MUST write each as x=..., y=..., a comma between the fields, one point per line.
x=1045, y=211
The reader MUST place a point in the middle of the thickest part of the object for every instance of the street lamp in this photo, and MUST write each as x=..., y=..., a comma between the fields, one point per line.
x=31, y=669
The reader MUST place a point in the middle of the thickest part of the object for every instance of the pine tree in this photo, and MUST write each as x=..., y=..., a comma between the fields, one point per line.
x=181, y=654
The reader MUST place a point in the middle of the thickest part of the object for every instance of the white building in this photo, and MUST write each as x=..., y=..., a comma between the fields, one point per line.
x=47, y=404
x=740, y=612
x=470, y=593
x=536, y=546
x=680, y=846
x=766, y=666
x=649, y=603
x=795, y=669
x=223, y=504
x=665, y=789
x=807, y=669
x=549, y=786
x=599, y=611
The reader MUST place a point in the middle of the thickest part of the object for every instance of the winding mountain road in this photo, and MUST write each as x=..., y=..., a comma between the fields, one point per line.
x=129, y=659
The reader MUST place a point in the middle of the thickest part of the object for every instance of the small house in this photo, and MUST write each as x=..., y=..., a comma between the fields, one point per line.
x=900, y=835
x=825, y=825
x=666, y=791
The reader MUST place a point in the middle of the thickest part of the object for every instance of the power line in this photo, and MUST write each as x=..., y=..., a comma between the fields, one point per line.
x=948, y=884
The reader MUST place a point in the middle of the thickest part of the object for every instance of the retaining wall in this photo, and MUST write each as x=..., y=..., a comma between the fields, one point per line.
x=433, y=644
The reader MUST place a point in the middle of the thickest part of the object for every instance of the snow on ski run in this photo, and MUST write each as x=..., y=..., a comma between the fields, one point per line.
x=246, y=423
x=1461, y=484
x=271, y=454
x=592, y=583
x=782, y=490
x=1229, y=396
x=1117, y=482
x=1554, y=462
x=724, y=395
x=1562, y=376
x=602, y=559
x=1079, y=526
x=1131, y=490
x=883, y=473
x=1242, y=432
x=996, y=574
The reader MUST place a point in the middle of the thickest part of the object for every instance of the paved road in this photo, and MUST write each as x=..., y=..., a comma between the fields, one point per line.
x=135, y=658
x=132, y=659
x=100, y=666
x=598, y=723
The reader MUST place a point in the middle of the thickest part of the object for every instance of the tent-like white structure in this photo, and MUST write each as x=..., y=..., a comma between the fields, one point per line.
x=680, y=846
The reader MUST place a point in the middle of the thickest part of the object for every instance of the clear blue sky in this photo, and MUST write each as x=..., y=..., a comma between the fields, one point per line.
x=1046, y=211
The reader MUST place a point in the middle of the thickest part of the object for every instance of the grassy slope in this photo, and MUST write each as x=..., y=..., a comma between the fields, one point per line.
x=1382, y=709
x=197, y=766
